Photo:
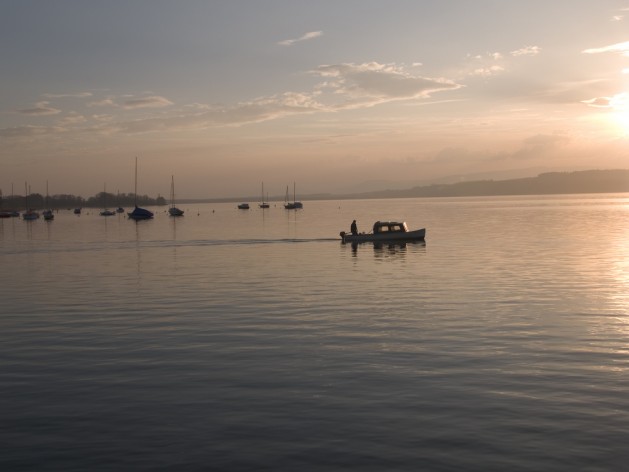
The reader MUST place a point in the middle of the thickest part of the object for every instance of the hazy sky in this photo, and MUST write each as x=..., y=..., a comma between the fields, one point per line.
x=329, y=94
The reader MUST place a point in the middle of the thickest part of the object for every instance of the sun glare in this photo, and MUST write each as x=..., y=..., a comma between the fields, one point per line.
x=620, y=108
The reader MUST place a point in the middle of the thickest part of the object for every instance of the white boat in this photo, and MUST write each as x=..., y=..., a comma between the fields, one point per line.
x=173, y=210
x=385, y=231
x=263, y=203
x=139, y=213
x=294, y=205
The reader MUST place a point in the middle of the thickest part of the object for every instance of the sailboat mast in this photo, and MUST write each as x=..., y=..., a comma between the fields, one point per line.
x=136, y=182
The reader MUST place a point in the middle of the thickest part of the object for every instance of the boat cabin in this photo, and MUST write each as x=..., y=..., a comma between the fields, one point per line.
x=389, y=227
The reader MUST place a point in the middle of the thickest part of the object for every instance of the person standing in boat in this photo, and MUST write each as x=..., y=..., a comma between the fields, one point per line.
x=353, y=228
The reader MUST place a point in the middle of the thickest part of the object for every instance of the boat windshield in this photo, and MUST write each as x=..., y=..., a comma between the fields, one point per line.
x=389, y=227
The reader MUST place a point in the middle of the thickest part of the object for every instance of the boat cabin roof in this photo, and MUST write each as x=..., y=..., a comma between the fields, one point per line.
x=390, y=227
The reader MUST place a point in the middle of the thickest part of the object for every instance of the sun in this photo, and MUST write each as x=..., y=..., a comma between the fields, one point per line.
x=619, y=104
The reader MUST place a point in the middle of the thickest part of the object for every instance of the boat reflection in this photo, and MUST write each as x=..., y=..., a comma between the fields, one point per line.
x=389, y=247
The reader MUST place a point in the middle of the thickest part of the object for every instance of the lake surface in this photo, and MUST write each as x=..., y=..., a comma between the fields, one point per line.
x=254, y=340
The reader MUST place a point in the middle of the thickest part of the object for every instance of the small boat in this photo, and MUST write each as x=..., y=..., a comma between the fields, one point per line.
x=243, y=206
x=173, y=210
x=29, y=214
x=139, y=213
x=77, y=211
x=8, y=213
x=263, y=203
x=106, y=211
x=385, y=231
x=294, y=205
x=4, y=213
x=119, y=209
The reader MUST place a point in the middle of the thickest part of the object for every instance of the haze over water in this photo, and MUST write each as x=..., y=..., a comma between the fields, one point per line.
x=255, y=340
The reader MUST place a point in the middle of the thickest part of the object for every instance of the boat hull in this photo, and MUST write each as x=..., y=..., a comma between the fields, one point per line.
x=140, y=214
x=417, y=235
x=174, y=211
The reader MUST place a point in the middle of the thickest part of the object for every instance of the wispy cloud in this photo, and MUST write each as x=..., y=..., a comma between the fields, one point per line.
x=620, y=101
x=622, y=48
x=526, y=51
x=487, y=71
x=26, y=131
x=147, y=102
x=40, y=108
x=68, y=95
x=598, y=102
x=305, y=37
x=342, y=86
x=106, y=102
x=367, y=84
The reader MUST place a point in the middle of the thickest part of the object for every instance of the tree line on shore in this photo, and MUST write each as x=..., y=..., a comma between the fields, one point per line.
x=60, y=201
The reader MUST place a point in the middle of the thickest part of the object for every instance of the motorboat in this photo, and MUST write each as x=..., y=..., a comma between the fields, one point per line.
x=77, y=211
x=107, y=212
x=243, y=206
x=385, y=231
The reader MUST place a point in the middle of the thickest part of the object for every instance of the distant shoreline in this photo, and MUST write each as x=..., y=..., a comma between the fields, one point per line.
x=549, y=183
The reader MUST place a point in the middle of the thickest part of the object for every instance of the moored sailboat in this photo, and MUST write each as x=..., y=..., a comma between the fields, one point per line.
x=139, y=213
x=263, y=203
x=29, y=214
x=47, y=213
x=294, y=205
x=173, y=210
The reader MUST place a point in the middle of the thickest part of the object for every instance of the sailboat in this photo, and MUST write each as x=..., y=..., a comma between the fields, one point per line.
x=173, y=210
x=139, y=213
x=48, y=214
x=119, y=209
x=106, y=211
x=294, y=205
x=9, y=213
x=3, y=213
x=29, y=214
x=263, y=204
x=6, y=213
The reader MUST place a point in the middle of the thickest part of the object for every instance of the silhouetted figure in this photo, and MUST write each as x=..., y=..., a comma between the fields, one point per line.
x=354, y=228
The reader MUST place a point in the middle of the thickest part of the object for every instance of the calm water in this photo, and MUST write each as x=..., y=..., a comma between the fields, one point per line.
x=255, y=340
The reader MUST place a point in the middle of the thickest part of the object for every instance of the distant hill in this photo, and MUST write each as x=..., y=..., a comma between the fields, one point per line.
x=549, y=183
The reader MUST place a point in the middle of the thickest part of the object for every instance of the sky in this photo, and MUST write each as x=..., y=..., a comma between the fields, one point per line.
x=332, y=96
